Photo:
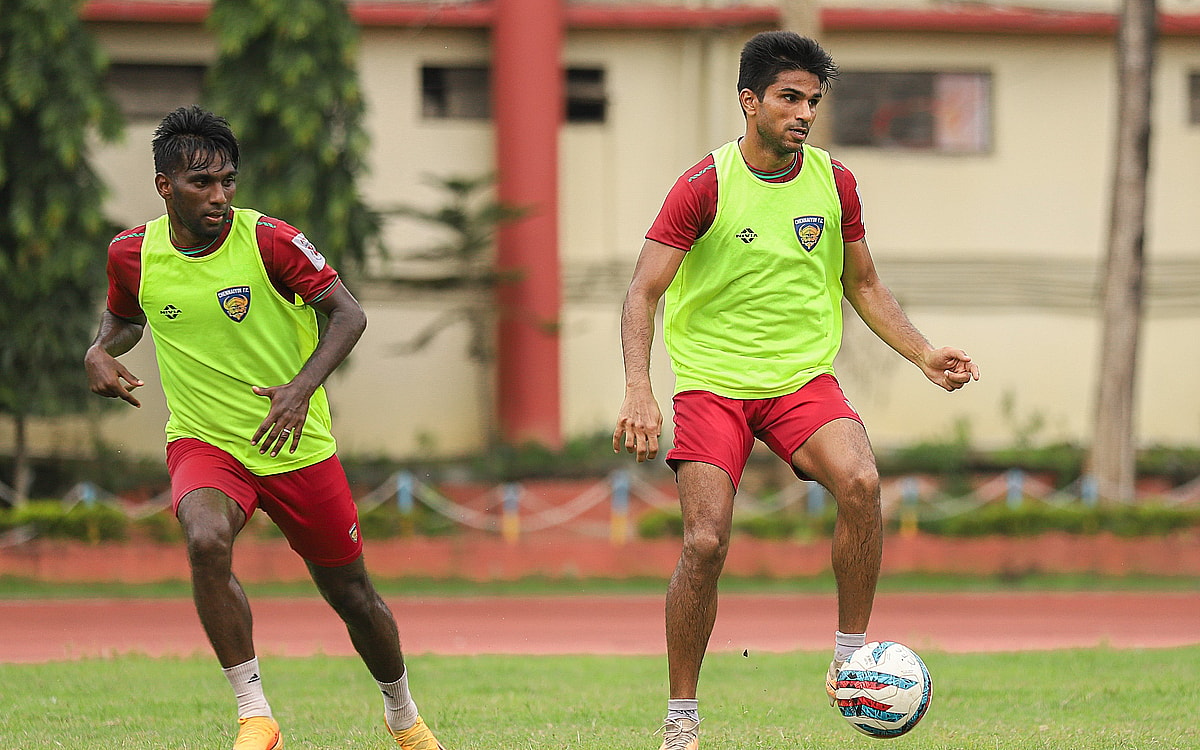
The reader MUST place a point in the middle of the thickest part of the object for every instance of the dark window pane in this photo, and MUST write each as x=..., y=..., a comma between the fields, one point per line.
x=586, y=97
x=151, y=91
x=913, y=110
x=455, y=92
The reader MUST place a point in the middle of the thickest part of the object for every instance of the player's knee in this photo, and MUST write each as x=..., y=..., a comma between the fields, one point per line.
x=208, y=546
x=858, y=490
x=706, y=546
x=353, y=598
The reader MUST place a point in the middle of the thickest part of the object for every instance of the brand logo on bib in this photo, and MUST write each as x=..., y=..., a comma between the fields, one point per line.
x=235, y=301
x=808, y=230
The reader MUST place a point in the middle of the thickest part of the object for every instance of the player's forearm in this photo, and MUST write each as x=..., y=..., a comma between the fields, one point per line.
x=117, y=336
x=637, y=332
x=345, y=327
x=878, y=308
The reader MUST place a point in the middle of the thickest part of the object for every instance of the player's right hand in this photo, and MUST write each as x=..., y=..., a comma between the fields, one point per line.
x=109, y=378
x=639, y=423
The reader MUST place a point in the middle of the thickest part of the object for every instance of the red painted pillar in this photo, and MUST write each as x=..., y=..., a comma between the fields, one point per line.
x=527, y=104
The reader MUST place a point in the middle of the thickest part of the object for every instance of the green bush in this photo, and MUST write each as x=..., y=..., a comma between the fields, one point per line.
x=49, y=518
x=385, y=521
x=1029, y=519
x=660, y=524
x=1033, y=517
x=161, y=526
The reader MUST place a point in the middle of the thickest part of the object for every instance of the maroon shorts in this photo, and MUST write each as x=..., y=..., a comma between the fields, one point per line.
x=312, y=506
x=720, y=431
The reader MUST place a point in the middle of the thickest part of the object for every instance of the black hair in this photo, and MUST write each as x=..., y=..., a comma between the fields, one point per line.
x=193, y=138
x=768, y=54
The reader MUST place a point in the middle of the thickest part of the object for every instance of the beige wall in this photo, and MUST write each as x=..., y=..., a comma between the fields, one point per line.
x=1029, y=212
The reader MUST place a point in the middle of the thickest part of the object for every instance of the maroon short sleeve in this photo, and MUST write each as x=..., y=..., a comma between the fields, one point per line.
x=689, y=208
x=295, y=266
x=847, y=187
x=125, y=273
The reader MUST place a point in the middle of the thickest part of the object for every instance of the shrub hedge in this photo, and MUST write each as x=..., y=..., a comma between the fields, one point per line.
x=100, y=522
x=1030, y=518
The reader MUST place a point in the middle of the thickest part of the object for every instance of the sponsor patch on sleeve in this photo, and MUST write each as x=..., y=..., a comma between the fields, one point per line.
x=308, y=249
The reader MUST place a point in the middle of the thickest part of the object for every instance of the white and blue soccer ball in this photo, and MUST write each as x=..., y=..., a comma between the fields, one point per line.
x=883, y=689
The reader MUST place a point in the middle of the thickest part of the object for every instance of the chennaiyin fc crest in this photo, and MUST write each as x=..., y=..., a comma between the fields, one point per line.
x=808, y=230
x=235, y=301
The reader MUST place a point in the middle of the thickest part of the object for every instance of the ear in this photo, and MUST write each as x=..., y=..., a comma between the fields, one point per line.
x=162, y=184
x=749, y=102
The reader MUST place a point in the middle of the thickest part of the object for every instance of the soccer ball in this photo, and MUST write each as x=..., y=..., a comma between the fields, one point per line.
x=883, y=689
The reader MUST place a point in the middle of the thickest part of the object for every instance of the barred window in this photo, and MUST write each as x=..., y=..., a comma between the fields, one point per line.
x=150, y=91
x=464, y=92
x=925, y=111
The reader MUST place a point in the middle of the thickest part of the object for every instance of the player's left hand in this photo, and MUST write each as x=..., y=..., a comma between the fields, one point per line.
x=949, y=368
x=285, y=420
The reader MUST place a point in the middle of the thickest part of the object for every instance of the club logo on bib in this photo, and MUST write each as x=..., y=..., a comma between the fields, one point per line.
x=235, y=301
x=808, y=230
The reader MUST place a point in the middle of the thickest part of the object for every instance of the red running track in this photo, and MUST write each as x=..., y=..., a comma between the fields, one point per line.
x=47, y=630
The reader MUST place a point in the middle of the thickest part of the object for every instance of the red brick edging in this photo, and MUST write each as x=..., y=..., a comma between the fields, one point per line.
x=477, y=557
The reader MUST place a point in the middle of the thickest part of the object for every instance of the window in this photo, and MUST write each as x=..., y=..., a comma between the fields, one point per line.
x=945, y=112
x=586, y=100
x=456, y=92
x=149, y=92
x=1194, y=98
x=464, y=92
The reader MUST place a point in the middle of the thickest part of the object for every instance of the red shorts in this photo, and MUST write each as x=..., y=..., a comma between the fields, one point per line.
x=720, y=431
x=312, y=506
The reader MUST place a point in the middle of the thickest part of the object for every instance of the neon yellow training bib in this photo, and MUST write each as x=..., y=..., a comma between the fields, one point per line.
x=220, y=327
x=755, y=308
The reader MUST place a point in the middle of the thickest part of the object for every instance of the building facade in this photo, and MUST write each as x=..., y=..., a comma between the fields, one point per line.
x=980, y=136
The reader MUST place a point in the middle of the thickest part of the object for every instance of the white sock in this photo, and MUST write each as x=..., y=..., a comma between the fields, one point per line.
x=683, y=708
x=247, y=686
x=398, y=706
x=845, y=644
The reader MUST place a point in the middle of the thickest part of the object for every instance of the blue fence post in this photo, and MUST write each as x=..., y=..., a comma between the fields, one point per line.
x=405, y=485
x=816, y=499
x=510, y=521
x=1015, y=482
x=1089, y=490
x=910, y=495
x=619, y=524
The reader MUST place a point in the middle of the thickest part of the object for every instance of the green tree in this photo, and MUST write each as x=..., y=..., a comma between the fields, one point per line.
x=468, y=220
x=52, y=228
x=286, y=80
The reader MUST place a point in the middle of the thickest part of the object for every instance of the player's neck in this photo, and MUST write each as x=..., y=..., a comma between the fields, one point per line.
x=763, y=161
x=191, y=245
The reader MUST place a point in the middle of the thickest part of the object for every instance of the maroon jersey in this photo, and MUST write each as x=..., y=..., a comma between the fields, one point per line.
x=294, y=266
x=691, y=204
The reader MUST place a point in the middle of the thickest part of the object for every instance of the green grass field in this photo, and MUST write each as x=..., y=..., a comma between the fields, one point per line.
x=1068, y=700
x=19, y=588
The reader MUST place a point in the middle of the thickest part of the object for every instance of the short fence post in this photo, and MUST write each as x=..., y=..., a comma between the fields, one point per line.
x=405, y=484
x=816, y=499
x=1089, y=490
x=910, y=495
x=619, y=521
x=510, y=521
x=1015, y=481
